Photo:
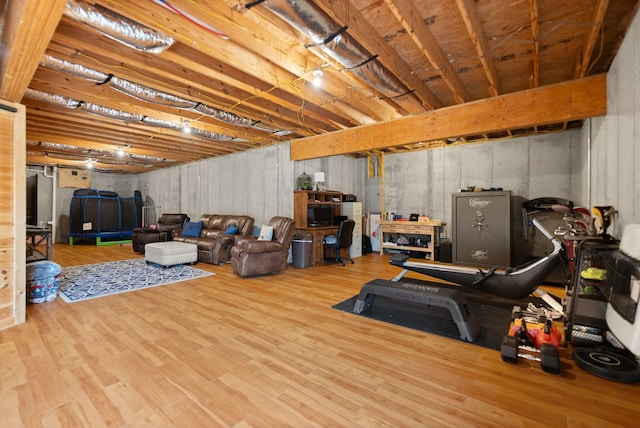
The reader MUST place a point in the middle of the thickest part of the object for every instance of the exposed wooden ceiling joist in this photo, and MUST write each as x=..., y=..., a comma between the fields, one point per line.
x=535, y=51
x=471, y=20
x=443, y=59
x=592, y=36
x=428, y=45
x=350, y=17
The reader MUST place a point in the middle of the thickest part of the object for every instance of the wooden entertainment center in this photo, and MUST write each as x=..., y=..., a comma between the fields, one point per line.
x=305, y=199
x=331, y=204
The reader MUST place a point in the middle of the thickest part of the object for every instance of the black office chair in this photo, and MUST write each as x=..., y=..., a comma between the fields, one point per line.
x=334, y=243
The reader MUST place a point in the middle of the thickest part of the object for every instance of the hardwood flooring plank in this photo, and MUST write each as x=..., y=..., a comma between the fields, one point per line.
x=93, y=400
x=196, y=415
x=313, y=410
x=270, y=351
x=135, y=410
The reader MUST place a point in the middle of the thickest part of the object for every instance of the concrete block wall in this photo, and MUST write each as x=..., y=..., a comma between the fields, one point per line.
x=613, y=175
x=259, y=183
x=252, y=182
x=530, y=167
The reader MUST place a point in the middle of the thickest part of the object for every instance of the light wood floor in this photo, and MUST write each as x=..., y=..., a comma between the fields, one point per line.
x=270, y=352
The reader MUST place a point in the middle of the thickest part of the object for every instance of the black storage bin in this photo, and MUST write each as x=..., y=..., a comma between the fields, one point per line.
x=444, y=251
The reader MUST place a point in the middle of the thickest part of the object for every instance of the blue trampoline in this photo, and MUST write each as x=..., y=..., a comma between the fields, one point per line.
x=104, y=216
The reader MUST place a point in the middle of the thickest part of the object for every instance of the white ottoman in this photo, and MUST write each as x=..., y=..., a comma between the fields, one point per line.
x=170, y=253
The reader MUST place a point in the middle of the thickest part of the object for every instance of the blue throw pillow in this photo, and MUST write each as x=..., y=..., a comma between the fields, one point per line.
x=231, y=230
x=192, y=229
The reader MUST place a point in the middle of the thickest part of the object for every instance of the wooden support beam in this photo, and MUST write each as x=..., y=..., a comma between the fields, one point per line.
x=562, y=102
x=28, y=28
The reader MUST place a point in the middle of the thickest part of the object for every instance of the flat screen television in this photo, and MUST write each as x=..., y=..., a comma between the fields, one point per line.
x=319, y=216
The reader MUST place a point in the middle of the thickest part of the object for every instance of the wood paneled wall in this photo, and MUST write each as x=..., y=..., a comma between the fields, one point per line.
x=12, y=215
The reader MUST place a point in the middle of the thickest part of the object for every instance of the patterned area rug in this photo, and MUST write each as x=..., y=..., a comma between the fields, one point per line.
x=103, y=279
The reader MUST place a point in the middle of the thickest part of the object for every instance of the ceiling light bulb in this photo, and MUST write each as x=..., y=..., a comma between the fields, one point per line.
x=120, y=152
x=186, y=127
x=317, y=78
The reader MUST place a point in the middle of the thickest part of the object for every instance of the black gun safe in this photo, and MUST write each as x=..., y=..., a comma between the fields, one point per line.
x=481, y=228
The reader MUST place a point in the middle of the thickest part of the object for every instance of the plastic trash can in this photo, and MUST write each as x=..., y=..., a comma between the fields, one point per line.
x=301, y=251
x=43, y=281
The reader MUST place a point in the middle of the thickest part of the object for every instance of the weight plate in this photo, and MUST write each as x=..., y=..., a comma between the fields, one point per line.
x=607, y=364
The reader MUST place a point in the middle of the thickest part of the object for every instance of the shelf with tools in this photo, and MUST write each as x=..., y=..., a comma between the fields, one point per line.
x=429, y=229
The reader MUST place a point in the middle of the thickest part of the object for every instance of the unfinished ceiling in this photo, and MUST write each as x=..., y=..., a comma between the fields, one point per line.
x=121, y=83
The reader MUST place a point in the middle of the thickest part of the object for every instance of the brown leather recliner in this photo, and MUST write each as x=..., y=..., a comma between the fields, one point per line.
x=213, y=243
x=249, y=256
x=162, y=231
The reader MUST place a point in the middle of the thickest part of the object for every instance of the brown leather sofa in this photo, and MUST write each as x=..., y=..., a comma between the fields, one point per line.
x=250, y=256
x=161, y=231
x=213, y=244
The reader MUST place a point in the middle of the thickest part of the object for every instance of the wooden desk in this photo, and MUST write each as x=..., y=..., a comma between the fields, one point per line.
x=429, y=228
x=35, y=237
x=317, y=247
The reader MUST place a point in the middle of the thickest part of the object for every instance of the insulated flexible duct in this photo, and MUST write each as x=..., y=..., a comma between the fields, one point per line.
x=111, y=113
x=105, y=156
x=118, y=114
x=77, y=70
x=118, y=27
x=312, y=21
x=195, y=131
x=147, y=94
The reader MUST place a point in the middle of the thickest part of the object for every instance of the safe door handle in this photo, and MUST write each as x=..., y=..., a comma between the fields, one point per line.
x=479, y=223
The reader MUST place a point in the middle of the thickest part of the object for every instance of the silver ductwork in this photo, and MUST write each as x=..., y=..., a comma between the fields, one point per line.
x=111, y=113
x=118, y=114
x=213, y=135
x=105, y=156
x=147, y=94
x=118, y=28
x=335, y=41
x=74, y=69
x=229, y=118
x=52, y=98
x=195, y=131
